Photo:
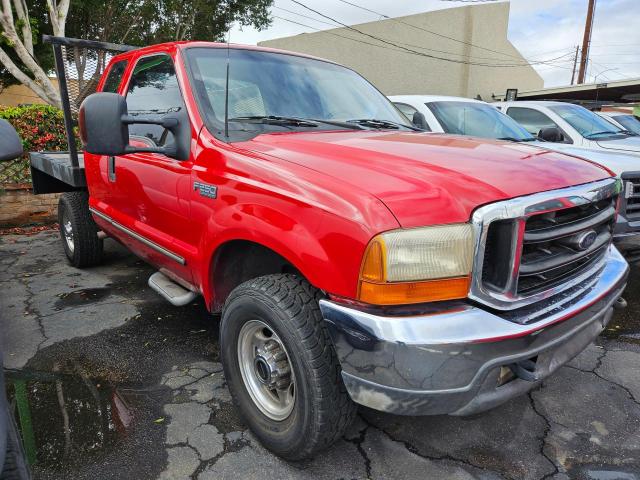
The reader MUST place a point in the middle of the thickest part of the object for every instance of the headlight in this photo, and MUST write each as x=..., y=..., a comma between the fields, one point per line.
x=417, y=265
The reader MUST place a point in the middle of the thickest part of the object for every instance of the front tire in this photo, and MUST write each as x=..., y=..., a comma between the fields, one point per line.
x=78, y=231
x=281, y=367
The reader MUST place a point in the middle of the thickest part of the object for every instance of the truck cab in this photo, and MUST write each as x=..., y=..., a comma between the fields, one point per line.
x=353, y=258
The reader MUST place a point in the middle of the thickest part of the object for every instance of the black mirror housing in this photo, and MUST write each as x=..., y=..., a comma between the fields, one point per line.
x=420, y=121
x=104, y=128
x=551, y=134
x=10, y=144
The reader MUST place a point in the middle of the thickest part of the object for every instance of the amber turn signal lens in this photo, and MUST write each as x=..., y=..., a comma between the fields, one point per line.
x=404, y=293
x=373, y=267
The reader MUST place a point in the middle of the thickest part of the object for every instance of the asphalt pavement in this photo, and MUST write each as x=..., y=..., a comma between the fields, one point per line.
x=107, y=380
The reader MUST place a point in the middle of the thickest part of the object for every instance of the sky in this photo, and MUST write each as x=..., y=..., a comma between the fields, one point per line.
x=539, y=29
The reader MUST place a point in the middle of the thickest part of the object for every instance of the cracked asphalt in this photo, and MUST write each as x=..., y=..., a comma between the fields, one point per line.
x=109, y=381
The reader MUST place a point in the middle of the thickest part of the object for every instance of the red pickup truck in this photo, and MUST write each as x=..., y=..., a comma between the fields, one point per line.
x=354, y=258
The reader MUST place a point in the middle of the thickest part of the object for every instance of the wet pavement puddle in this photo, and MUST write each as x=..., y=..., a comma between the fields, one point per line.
x=70, y=419
x=82, y=297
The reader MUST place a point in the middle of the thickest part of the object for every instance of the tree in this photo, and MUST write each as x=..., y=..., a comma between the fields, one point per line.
x=18, y=36
x=145, y=22
x=135, y=22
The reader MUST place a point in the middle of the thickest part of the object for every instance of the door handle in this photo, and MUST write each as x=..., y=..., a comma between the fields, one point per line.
x=111, y=169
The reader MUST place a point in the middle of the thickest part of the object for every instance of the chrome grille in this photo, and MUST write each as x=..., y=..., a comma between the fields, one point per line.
x=531, y=247
x=550, y=252
x=632, y=196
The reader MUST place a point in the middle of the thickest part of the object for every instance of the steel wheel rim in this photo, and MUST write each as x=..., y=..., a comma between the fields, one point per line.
x=266, y=370
x=67, y=230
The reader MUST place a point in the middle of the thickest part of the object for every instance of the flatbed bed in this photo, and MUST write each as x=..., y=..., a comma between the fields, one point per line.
x=54, y=172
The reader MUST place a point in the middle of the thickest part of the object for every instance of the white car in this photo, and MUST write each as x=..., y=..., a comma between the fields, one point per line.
x=625, y=121
x=562, y=122
x=464, y=116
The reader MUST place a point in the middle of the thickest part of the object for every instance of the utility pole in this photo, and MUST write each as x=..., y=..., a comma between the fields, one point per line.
x=575, y=64
x=586, y=40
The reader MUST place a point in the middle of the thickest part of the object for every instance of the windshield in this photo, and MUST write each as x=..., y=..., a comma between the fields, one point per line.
x=587, y=123
x=629, y=122
x=478, y=120
x=263, y=84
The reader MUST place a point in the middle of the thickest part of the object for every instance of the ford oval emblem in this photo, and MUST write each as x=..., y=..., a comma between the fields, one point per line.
x=586, y=239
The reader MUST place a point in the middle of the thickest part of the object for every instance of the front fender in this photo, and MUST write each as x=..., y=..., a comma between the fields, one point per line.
x=318, y=223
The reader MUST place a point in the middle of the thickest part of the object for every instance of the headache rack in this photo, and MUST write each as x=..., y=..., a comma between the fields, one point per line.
x=533, y=248
x=79, y=66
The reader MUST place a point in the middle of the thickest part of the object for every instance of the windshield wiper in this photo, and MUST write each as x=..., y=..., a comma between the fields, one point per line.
x=604, y=132
x=375, y=123
x=338, y=123
x=276, y=120
x=513, y=139
x=629, y=132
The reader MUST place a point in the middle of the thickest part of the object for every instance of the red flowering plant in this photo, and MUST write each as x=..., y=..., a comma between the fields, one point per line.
x=41, y=128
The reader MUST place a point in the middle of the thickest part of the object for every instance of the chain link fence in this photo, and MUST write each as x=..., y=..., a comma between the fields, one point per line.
x=15, y=172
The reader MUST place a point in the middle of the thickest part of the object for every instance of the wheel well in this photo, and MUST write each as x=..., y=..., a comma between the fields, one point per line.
x=237, y=261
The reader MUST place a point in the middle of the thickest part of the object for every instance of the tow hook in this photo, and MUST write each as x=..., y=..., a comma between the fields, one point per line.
x=620, y=303
x=525, y=370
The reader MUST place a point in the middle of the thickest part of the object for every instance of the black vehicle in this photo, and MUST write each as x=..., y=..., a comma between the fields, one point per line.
x=13, y=465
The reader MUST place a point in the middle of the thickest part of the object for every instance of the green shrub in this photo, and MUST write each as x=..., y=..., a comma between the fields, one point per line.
x=41, y=127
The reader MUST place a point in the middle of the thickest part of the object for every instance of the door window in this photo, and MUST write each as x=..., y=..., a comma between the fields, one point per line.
x=112, y=83
x=532, y=120
x=153, y=90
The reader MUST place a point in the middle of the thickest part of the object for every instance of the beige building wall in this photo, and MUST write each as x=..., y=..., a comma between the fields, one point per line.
x=397, y=72
x=20, y=95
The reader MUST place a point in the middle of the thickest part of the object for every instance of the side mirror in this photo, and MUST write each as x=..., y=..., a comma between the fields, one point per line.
x=551, y=134
x=10, y=144
x=104, y=128
x=419, y=120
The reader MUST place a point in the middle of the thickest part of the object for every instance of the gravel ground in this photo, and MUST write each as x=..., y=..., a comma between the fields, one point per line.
x=109, y=381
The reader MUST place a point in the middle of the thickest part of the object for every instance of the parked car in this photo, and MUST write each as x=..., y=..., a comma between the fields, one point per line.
x=13, y=465
x=562, y=122
x=464, y=116
x=624, y=121
x=354, y=259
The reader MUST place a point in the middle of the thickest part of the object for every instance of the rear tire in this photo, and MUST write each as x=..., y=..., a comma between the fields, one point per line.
x=287, y=306
x=78, y=231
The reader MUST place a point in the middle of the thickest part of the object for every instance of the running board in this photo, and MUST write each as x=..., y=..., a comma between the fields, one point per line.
x=171, y=291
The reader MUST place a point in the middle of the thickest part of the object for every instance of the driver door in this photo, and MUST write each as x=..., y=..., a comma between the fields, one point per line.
x=151, y=192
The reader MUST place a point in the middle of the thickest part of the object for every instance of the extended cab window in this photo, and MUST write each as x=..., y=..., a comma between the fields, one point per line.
x=112, y=83
x=532, y=120
x=153, y=90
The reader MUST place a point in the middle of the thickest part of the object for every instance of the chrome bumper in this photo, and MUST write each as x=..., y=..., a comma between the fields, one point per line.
x=449, y=361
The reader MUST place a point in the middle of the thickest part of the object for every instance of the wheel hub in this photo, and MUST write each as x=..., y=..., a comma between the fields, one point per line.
x=271, y=366
x=67, y=230
x=266, y=370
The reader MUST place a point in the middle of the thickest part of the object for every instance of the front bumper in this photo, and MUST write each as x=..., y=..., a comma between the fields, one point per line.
x=449, y=361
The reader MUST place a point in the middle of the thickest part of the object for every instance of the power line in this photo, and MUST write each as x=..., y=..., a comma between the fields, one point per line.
x=411, y=50
x=424, y=29
x=337, y=25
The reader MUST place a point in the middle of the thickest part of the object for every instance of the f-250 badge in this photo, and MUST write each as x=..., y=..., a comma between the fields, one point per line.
x=206, y=190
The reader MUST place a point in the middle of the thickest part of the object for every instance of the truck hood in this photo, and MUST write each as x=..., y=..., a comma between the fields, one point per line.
x=427, y=178
x=629, y=144
x=617, y=162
